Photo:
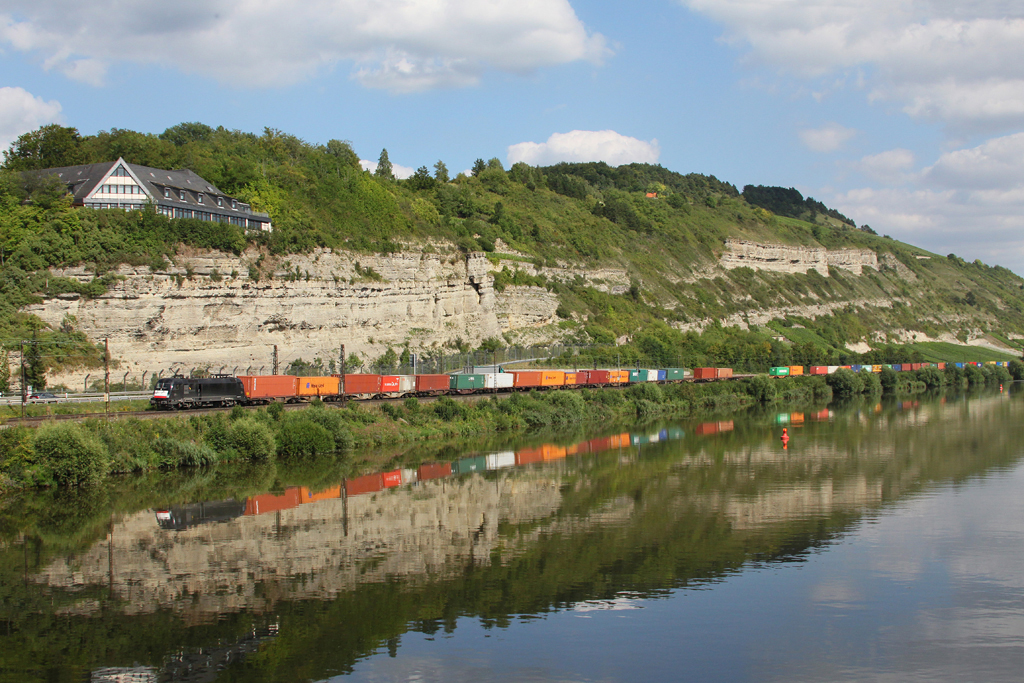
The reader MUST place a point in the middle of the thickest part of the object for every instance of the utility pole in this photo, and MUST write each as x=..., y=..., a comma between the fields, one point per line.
x=24, y=389
x=344, y=398
x=106, y=374
x=275, y=359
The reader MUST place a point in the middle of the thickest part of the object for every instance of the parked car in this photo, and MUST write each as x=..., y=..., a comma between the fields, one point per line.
x=42, y=397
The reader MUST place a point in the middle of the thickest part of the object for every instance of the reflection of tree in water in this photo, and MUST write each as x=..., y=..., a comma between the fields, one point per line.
x=669, y=515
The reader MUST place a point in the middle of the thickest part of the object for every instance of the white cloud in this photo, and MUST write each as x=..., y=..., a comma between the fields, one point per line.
x=955, y=62
x=400, y=45
x=400, y=172
x=969, y=202
x=586, y=145
x=21, y=112
x=828, y=138
x=890, y=167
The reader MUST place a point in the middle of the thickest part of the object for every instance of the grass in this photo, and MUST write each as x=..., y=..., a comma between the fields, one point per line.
x=938, y=352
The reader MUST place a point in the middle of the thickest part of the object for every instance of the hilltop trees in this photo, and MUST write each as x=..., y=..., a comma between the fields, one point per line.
x=384, y=170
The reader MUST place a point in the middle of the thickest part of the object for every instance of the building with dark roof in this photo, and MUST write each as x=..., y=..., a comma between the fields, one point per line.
x=175, y=194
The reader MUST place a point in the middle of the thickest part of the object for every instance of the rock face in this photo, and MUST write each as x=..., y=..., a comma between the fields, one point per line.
x=785, y=259
x=207, y=311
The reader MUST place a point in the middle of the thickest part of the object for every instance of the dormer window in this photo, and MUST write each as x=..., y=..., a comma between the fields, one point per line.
x=234, y=204
x=181, y=195
x=200, y=197
x=220, y=201
x=167, y=193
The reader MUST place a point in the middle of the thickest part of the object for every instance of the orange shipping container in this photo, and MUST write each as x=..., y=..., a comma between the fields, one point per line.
x=796, y=418
x=796, y=370
x=723, y=373
x=620, y=440
x=528, y=456
x=704, y=373
x=527, y=378
x=319, y=386
x=269, y=386
x=371, y=483
x=552, y=378
x=618, y=376
x=434, y=471
x=552, y=452
x=575, y=378
x=392, y=479
x=706, y=428
x=726, y=426
x=310, y=497
x=269, y=502
x=362, y=384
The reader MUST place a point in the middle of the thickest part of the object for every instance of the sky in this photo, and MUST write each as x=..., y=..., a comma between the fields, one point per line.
x=906, y=115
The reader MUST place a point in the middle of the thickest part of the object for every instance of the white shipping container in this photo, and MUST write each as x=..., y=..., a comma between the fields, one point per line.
x=832, y=368
x=497, y=461
x=406, y=384
x=499, y=380
x=652, y=375
x=409, y=477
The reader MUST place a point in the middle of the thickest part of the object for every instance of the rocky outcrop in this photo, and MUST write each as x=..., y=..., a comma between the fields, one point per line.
x=206, y=310
x=795, y=259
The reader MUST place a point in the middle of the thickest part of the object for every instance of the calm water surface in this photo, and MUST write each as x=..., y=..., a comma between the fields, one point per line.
x=886, y=543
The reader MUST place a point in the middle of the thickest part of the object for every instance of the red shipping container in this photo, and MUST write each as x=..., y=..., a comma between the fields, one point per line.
x=527, y=378
x=392, y=479
x=819, y=369
x=598, y=445
x=704, y=373
x=723, y=373
x=362, y=384
x=389, y=384
x=942, y=366
x=270, y=386
x=706, y=428
x=269, y=502
x=527, y=456
x=432, y=383
x=434, y=471
x=597, y=377
x=371, y=483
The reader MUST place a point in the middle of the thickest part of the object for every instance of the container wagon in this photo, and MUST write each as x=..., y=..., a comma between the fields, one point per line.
x=361, y=386
x=267, y=388
x=326, y=388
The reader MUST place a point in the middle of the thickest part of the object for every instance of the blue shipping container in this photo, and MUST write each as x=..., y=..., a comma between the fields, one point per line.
x=897, y=367
x=662, y=375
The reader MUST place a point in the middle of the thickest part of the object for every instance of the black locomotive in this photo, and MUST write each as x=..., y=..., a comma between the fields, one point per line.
x=219, y=391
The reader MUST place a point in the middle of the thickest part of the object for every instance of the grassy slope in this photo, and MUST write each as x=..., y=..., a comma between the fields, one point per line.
x=317, y=196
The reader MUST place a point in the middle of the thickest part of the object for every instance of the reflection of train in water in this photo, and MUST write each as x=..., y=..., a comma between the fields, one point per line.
x=186, y=516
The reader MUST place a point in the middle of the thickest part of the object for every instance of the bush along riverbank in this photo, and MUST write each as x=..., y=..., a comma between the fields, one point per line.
x=82, y=453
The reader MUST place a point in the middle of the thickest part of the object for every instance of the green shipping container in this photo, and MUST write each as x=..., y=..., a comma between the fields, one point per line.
x=467, y=465
x=674, y=373
x=634, y=376
x=779, y=372
x=467, y=382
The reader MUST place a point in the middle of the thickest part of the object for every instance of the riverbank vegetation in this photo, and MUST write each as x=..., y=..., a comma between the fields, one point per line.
x=82, y=453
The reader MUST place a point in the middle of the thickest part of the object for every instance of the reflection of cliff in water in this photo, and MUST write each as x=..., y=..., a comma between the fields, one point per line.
x=704, y=504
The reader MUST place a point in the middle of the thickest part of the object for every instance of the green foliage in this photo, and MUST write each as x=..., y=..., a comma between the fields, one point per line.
x=763, y=389
x=301, y=437
x=252, y=439
x=174, y=453
x=847, y=382
x=333, y=421
x=73, y=456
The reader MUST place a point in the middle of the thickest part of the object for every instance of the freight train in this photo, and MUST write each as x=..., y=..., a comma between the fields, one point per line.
x=177, y=393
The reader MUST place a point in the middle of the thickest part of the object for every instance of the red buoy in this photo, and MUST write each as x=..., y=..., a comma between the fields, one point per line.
x=785, y=438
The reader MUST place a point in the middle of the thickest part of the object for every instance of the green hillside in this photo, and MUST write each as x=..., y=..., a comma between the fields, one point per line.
x=666, y=229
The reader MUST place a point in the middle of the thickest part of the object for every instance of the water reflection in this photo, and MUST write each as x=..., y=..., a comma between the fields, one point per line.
x=322, y=575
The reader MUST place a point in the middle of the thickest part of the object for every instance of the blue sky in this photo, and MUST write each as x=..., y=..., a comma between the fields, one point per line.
x=907, y=115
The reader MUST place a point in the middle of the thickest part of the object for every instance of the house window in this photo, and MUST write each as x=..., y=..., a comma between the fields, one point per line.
x=200, y=197
x=220, y=201
x=234, y=204
x=167, y=193
x=181, y=195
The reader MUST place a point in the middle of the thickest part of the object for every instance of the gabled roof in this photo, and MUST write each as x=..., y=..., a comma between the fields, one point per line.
x=81, y=180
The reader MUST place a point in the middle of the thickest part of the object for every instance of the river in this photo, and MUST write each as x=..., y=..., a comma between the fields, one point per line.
x=883, y=543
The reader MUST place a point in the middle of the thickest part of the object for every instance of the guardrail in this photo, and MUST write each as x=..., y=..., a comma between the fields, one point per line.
x=78, y=398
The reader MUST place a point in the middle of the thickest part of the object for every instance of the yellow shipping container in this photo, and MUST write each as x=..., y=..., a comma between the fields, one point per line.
x=876, y=368
x=319, y=386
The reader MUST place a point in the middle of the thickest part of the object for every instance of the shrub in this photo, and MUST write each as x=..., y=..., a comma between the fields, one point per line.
x=332, y=421
x=302, y=437
x=889, y=379
x=569, y=406
x=252, y=439
x=72, y=455
x=448, y=409
x=174, y=453
x=846, y=382
x=1016, y=370
x=872, y=383
x=973, y=375
x=931, y=377
x=763, y=389
x=275, y=410
x=646, y=391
